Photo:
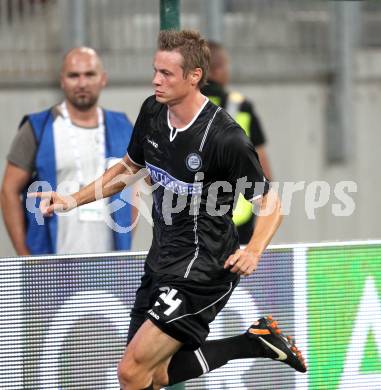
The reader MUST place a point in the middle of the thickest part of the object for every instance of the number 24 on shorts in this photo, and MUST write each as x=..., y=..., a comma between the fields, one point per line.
x=168, y=298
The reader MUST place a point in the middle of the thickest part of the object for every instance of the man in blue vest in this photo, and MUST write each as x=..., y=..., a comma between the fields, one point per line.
x=65, y=147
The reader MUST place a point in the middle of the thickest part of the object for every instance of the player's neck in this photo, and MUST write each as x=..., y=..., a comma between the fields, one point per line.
x=88, y=118
x=182, y=113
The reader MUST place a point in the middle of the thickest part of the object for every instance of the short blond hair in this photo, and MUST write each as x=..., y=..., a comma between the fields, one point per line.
x=193, y=48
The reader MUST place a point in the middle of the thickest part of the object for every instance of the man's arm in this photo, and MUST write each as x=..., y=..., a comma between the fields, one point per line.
x=258, y=139
x=245, y=262
x=119, y=176
x=14, y=181
x=264, y=161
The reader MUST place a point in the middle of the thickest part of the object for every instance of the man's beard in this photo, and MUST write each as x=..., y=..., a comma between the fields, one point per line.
x=83, y=104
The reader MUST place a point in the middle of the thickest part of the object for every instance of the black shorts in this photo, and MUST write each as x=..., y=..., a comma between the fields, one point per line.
x=181, y=308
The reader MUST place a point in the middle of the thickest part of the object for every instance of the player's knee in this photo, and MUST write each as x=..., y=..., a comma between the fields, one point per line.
x=160, y=377
x=133, y=374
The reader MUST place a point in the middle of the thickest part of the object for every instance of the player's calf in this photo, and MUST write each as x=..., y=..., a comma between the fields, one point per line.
x=262, y=339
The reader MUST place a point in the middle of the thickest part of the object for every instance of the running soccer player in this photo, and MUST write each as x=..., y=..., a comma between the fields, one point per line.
x=198, y=159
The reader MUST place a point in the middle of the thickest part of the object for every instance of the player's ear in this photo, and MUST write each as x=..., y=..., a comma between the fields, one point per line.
x=104, y=79
x=196, y=75
x=61, y=80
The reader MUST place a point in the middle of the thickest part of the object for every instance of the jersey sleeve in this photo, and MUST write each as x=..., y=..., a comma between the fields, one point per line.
x=135, y=149
x=257, y=134
x=238, y=158
x=23, y=149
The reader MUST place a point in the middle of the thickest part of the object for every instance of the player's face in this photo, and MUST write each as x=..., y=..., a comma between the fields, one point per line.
x=169, y=82
x=82, y=79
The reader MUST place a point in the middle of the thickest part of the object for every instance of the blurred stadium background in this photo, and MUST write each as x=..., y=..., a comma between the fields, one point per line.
x=313, y=70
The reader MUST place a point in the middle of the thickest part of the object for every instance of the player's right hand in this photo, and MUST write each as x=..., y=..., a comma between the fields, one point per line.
x=51, y=202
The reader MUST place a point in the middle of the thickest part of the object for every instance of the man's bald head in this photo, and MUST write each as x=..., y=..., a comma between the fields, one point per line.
x=78, y=53
x=82, y=77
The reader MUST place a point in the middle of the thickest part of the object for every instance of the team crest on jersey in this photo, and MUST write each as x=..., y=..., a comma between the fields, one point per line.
x=193, y=162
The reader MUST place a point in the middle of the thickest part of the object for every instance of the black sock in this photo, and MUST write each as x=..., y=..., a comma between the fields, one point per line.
x=186, y=365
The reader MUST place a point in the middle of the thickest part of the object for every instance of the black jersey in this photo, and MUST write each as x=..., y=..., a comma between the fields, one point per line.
x=196, y=172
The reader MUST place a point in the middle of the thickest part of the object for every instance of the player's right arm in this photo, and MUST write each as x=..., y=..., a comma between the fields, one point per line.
x=14, y=181
x=114, y=180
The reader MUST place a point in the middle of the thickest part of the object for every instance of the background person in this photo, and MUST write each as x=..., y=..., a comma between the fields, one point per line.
x=67, y=146
x=242, y=111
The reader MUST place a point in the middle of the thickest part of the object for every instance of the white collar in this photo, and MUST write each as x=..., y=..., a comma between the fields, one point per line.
x=191, y=122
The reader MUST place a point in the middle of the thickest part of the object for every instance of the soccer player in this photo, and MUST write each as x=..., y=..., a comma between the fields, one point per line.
x=198, y=159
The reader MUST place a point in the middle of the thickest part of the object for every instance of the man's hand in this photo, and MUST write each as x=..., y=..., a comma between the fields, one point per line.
x=242, y=262
x=51, y=202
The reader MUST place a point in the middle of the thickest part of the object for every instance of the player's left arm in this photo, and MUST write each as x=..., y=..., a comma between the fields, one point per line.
x=245, y=261
x=264, y=161
x=258, y=138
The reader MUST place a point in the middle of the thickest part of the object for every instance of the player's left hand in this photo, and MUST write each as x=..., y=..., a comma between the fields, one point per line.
x=242, y=262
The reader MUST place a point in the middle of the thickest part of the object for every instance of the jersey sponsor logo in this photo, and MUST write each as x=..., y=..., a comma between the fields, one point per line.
x=193, y=162
x=169, y=182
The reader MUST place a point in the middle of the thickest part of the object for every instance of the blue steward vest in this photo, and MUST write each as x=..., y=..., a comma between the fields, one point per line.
x=42, y=239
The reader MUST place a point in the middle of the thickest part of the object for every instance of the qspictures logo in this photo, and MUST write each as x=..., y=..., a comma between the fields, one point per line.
x=344, y=318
